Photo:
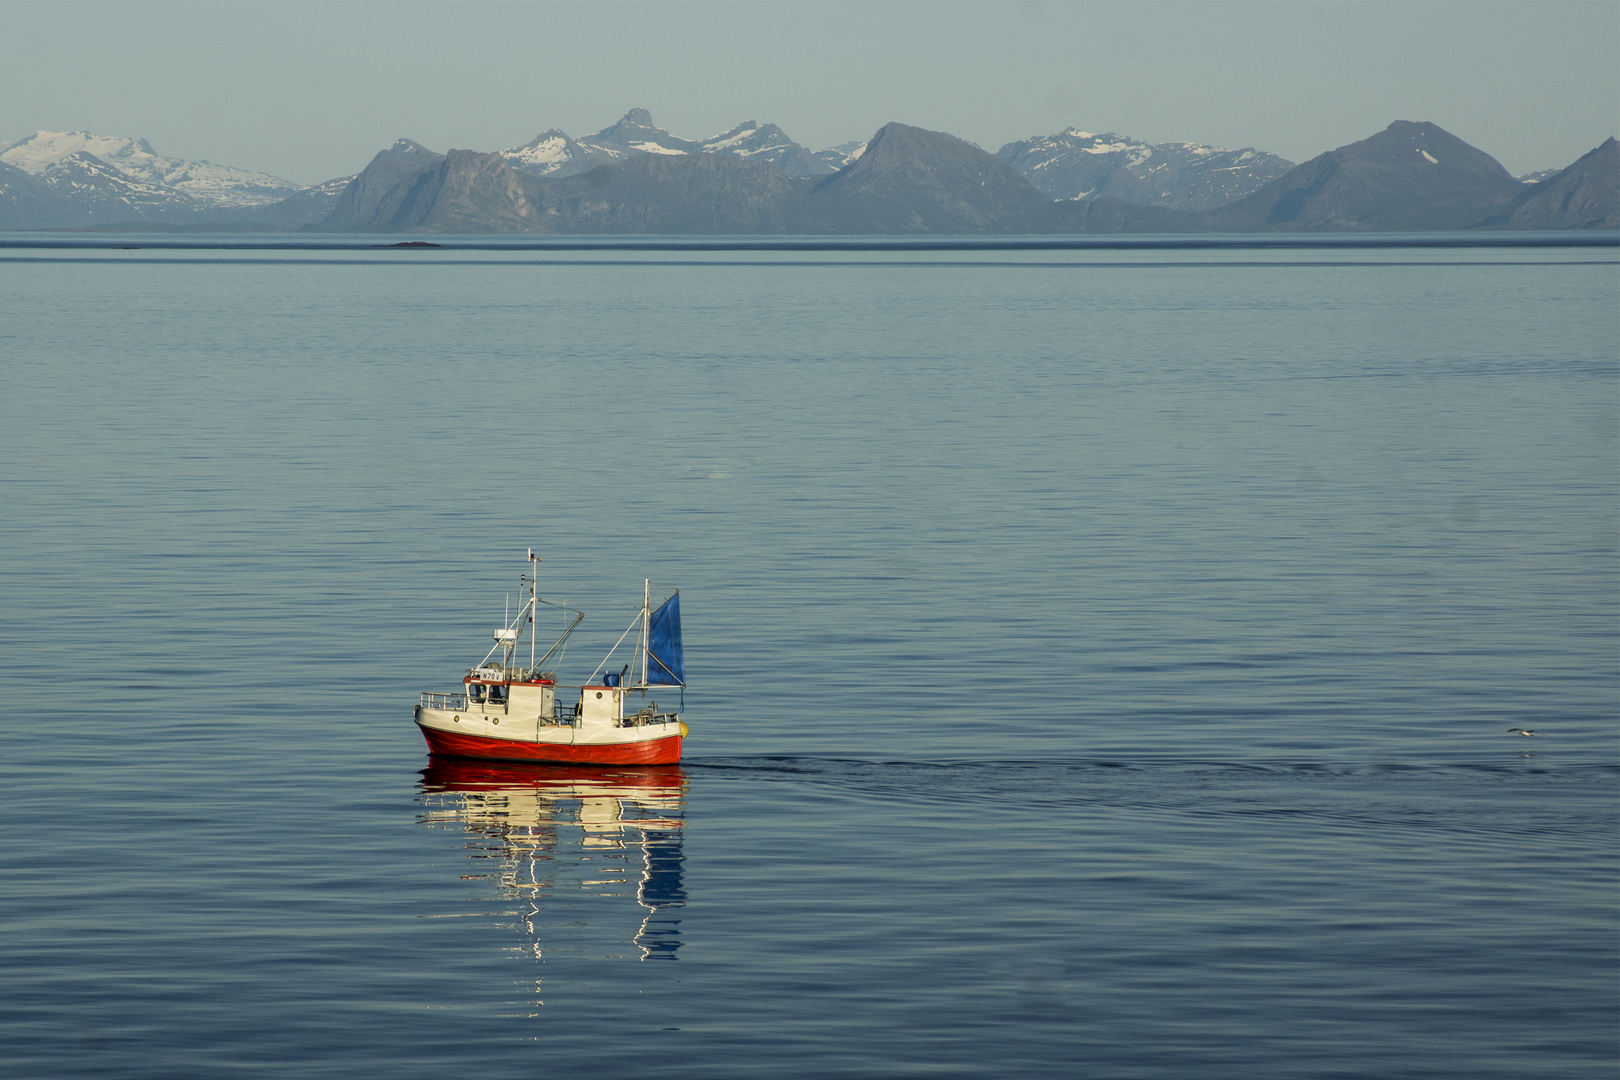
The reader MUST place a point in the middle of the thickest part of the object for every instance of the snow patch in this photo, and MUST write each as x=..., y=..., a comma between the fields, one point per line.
x=729, y=139
x=552, y=152
x=43, y=149
x=1430, y=157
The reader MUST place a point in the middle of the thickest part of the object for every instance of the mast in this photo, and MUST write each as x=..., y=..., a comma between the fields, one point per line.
x=646, y=596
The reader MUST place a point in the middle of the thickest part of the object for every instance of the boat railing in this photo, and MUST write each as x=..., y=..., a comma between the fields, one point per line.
x=561, y=715
x=496, y=673
x=647, y=716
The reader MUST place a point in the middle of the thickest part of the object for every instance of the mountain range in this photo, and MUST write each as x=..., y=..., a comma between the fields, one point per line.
x=554, y=153
x=635, y=177
x=1075, y=164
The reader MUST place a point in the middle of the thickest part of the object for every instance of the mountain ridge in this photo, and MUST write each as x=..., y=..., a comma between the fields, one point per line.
x=1074, y=164
x=1413, y=175
x=907, y=180
x=913, y=180
x=555, y=153
x=754, y=178
x=1586, y=192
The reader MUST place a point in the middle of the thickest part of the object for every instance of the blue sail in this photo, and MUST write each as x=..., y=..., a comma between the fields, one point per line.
x=665, y=666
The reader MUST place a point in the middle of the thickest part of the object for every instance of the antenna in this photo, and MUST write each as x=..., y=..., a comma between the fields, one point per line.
x=534, y=608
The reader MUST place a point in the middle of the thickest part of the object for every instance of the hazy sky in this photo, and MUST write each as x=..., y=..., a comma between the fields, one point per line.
x=311, y=91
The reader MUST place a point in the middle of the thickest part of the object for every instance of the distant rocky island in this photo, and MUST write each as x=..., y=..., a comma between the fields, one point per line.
x=636, y=178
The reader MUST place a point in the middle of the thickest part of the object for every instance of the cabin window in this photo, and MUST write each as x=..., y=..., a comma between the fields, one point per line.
x=475, y=693
x=497, y=695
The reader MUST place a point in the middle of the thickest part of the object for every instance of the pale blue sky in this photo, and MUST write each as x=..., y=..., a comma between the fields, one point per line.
x=311, y=91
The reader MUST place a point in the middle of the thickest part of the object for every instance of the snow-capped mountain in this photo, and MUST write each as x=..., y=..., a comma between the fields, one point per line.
x=1075, y=164
x=212, y=186
x=636, y=131
x=836, y=157
x=105, y=194
x=555, y=153
x=767, y=142
x=74, y=179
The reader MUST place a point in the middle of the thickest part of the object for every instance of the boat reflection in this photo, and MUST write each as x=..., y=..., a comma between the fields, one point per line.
x=562, y=833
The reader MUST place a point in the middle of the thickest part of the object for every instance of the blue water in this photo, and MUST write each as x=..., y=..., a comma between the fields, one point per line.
x=1100, y=662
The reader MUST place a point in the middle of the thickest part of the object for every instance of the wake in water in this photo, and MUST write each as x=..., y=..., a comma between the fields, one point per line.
x=1467, y=798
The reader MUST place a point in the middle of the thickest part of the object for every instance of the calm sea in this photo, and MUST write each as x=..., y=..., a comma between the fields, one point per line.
x=1100, y=662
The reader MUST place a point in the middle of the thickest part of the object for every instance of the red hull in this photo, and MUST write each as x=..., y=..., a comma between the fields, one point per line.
x=665, y=751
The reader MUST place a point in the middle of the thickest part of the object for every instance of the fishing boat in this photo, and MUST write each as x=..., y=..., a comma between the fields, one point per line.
x=508, y=712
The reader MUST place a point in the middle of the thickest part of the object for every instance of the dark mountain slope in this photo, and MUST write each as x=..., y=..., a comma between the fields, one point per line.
x=26, y=203
x=669, y=193
x=305, y=208
x=643, y=193
x=465, y=192
x=1111, y=215
x=911, y=180
x=1584, y=196
x=1410, y=176
x=358, y=205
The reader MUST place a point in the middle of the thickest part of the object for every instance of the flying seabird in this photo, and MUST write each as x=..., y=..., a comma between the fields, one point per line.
x=1522, y=731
